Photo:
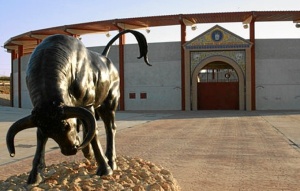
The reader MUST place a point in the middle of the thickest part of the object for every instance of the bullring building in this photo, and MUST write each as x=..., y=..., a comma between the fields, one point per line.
x=217, y=70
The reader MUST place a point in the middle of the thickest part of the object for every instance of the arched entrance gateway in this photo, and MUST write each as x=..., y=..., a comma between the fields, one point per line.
x=218, y=86
x=218, y=74
x=218, y=83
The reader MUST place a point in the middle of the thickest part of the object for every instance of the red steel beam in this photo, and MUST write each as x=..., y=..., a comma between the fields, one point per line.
x=121, y=71
x=253, y=81
x=20, y=54
x=183, y=41
x=13, y=57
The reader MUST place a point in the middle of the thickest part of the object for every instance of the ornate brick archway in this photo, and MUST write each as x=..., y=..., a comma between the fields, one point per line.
x=218, y=45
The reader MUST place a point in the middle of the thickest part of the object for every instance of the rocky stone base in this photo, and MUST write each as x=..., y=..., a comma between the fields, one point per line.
x=133, y=174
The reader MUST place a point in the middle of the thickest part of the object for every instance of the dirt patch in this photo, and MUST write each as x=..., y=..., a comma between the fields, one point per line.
x=4, y=92
x=4, y=99
x=4, y=89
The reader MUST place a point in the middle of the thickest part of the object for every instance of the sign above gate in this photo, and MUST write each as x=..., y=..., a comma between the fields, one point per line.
x=217, y=38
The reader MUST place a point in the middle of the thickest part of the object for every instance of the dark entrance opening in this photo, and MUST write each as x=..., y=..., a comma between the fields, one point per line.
x=218, y=87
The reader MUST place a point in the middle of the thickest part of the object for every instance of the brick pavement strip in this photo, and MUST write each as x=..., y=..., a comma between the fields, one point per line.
x=218, y=152
x=208, y=150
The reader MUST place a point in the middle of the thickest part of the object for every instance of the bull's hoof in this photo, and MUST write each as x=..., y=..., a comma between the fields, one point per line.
x=34, y=179
x=88, y=153
x=89, y=156
x=104, y=171
x=113, y=165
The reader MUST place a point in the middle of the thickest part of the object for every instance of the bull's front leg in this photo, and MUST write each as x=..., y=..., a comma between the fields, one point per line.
x=103, y=167
x=38, y=163
x=87, y=151
x=108, y=118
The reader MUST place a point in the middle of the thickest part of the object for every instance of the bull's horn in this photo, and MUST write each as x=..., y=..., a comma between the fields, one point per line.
x=18, y=126
x=88, y=121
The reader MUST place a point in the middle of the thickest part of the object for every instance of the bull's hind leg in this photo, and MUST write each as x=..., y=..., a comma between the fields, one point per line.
x=107, y=114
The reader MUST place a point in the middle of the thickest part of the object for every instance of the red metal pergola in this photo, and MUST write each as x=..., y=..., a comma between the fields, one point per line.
x=25, y=43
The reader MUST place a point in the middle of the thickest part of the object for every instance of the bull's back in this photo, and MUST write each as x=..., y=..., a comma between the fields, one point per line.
x=51, y=67
x=61, y=69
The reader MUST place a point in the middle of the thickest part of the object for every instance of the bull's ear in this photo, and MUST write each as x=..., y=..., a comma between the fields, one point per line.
x=87, y=119
x=18, y=126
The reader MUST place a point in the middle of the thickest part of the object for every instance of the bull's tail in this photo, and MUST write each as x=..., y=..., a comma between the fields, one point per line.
x=139, y=37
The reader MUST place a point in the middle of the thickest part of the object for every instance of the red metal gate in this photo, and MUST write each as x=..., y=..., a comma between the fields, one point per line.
x=218, y=96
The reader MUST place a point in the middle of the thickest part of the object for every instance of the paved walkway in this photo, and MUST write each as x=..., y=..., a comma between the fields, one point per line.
x=205, y=150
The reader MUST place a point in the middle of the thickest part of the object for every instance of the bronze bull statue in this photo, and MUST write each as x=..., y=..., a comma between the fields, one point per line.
x=70, y=88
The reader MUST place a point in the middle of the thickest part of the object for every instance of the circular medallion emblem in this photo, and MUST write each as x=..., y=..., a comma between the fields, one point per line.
x=227, y=75
x=217, y=35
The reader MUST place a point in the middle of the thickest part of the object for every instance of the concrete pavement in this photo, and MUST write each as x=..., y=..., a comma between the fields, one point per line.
x=205, y=150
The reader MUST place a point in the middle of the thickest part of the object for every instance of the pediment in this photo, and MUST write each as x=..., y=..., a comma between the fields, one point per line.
x=217, y=37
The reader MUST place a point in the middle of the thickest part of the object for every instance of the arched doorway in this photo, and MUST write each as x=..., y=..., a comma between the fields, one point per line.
x=220, y=80
x=217, y=87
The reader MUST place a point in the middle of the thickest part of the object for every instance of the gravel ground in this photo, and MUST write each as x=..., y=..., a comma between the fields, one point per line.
x=133, y=174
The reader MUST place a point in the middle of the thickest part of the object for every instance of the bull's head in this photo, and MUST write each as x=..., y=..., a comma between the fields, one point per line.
x=58, y=123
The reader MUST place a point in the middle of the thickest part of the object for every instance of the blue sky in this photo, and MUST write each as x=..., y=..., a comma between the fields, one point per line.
x=20, y=16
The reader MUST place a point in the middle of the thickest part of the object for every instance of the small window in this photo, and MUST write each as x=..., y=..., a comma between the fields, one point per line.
x=131, y=95
x=143, y=95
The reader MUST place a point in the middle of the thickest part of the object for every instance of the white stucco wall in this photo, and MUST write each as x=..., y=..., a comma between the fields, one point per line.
x=161, y=82
x=25, y=99
x=15, y=83
x=26, y=102
x=278, y=74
